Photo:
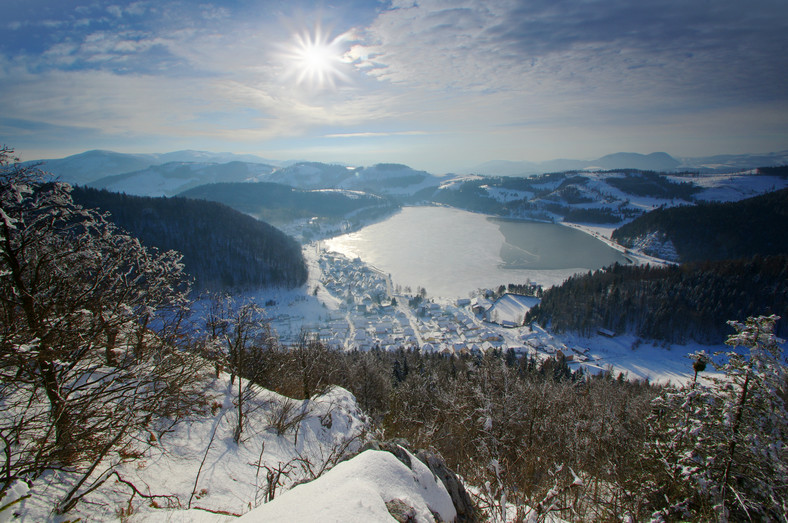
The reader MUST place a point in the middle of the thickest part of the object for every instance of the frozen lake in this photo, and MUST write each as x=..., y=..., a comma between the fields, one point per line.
x=451, y=252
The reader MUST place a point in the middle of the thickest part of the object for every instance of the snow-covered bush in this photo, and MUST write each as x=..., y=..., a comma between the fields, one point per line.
x=718, y=447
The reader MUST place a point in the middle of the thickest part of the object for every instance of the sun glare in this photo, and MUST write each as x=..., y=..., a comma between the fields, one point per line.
x=315, y=60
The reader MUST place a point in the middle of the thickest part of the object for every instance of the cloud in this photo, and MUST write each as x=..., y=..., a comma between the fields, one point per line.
x=640, y=49
x=376, y=134
x=512, y=77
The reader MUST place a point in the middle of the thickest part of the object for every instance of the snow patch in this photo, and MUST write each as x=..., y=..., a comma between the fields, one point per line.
x=656, y=244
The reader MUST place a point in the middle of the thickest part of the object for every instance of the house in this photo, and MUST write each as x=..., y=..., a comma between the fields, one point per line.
x=606, y=333
x=480, y=305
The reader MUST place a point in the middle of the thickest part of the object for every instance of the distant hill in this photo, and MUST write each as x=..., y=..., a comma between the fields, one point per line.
x=221, y=247
x=311, y=175
x=87, y=167
x=662, y=162
x=168, y=174
x=650, y=162
x=729, y=163
x=83, y=168
x=384, y=178
x=172, y=178
x=283, y=205
x=211, y=157
x=505, y=168
x=646, y=162
x=713, y=231
x=573, y=196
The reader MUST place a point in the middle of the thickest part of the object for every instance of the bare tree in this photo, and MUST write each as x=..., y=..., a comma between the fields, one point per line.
x=90, y=318
x=240, y=337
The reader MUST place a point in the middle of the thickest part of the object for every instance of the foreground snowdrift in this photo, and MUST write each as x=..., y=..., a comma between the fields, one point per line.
x=194, y=470
x=367, y=488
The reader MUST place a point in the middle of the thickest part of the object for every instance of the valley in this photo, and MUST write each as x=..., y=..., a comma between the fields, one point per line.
x=436, y=310
x=373, y=238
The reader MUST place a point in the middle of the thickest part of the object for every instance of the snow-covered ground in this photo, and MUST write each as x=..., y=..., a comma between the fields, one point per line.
x=510, y=309
x=362, y=490
x=198, y=469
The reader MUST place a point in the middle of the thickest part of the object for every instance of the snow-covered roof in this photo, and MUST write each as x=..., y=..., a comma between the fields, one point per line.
x=510, y=308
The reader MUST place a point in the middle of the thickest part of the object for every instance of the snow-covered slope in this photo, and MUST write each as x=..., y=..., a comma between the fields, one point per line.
x=736, y=186
x=196, y=464
x=297, y=461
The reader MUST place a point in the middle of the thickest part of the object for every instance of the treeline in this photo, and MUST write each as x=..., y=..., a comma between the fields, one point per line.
x=279, y=203
x=653, y=184
x=221, y=247
x=780, y=170
x=674, y=304
x=717, y=231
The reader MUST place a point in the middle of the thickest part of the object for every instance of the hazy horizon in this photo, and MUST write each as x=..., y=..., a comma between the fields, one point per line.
x=439, y=86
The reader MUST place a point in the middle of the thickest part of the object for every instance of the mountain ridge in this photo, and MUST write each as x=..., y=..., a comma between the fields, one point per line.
x=90, y=166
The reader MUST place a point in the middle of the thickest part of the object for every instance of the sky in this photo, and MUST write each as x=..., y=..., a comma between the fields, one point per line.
x=440, y=85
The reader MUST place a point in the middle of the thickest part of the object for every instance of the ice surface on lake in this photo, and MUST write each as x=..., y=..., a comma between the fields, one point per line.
x=447, y=251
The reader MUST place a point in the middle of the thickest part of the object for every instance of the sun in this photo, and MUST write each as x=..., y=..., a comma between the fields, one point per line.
x=316, y=60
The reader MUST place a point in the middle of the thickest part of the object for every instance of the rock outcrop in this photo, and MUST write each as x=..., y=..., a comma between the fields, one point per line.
x=400, y=448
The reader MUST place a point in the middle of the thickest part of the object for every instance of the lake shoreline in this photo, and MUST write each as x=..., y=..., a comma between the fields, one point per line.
x=453, y=253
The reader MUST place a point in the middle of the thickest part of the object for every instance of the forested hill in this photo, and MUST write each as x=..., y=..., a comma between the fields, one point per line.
x=279, y=203
x=675, y=304
x=715, y=231
x=221, y=247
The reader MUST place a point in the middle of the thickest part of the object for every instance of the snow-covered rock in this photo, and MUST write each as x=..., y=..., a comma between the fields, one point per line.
x=363, y=489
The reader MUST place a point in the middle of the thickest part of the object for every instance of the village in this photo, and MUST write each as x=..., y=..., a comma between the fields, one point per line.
x=361, y=309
